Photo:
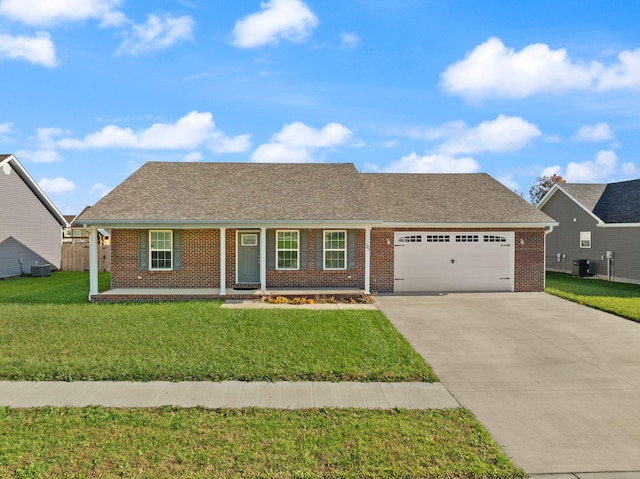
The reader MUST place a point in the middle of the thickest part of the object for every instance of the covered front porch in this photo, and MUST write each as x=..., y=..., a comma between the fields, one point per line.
x=217, y=257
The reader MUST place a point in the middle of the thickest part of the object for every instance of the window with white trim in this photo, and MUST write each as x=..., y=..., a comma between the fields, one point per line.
x=585, y=239
x=160, y=249
x=287, y=249
x=335, y=249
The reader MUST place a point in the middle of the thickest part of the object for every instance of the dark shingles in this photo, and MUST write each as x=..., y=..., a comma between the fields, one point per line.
x=620, y=203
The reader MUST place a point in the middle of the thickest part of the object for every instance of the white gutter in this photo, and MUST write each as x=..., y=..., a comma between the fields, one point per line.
x=544, y=278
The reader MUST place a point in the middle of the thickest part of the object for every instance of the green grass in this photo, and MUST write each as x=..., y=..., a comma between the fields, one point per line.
x=250, y=443
x=48, y=331
x=622, y=299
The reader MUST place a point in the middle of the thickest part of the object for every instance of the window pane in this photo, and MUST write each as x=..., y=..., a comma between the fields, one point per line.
x=334, y=260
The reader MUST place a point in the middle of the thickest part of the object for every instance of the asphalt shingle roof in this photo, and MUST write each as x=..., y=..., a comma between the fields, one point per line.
x=620, y=203
x=219, y=192
x=612, y=203
x=587, y=194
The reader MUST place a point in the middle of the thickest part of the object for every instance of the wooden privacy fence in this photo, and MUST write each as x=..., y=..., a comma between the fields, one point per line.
x=75, y=257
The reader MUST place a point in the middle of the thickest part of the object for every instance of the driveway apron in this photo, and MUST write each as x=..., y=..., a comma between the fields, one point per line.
x=556, y=384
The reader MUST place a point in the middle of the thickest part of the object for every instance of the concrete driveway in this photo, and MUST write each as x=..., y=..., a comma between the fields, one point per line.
x=556, y=384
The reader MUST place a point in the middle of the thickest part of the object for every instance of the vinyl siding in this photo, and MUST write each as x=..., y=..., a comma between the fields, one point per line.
x=24, y=218
x=565, y=239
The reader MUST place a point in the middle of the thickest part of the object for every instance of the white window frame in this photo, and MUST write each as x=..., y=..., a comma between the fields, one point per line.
x=297, y=250
x=152, y=250
x=244, y=239
x=325, y=249
x=585, y=239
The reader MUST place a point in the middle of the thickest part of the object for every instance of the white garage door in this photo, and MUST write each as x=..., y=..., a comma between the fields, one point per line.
x=432, y=261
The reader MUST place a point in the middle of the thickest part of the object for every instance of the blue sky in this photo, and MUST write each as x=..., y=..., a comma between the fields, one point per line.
x=92, y=89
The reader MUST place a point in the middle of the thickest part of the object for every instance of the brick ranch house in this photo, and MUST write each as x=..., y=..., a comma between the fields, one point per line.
x=231, y=227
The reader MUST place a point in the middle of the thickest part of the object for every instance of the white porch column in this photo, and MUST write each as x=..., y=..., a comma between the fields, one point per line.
x=223, y=261
x=367, y=260
x=93, y=261
x=263, y=260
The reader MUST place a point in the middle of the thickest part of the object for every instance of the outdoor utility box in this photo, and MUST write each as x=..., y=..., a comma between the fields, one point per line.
x=581, y=268
x=41, y=270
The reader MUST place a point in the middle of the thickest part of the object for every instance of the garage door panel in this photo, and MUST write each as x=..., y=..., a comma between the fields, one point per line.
x=455, y=262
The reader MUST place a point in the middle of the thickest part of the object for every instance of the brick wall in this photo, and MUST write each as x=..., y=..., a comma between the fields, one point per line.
x=200, y=262
x=529, y=257
x=308, y=278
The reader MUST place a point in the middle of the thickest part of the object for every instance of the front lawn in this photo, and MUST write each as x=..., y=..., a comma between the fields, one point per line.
x=622, y=299
x=48, y=331
x=250, y=443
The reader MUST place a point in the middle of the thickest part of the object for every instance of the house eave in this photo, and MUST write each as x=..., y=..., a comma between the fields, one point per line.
x=509, y=225
x=618, y=225
x=198, y=224
x=35, y=188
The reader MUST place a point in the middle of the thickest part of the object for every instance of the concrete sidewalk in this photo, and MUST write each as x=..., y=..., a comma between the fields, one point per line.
x=227, y=394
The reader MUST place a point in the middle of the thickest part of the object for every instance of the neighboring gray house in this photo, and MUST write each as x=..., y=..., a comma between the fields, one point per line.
x=30, y=224
x=232, y=228
x=597, y=222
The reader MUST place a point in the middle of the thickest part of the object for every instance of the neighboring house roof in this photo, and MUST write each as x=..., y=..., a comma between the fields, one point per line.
x=322, y=193
x=585, y=193
x=620, y=203
x=612, y=203
x=12, y=162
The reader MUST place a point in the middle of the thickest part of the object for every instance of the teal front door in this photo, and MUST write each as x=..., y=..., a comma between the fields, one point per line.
x=249, y=257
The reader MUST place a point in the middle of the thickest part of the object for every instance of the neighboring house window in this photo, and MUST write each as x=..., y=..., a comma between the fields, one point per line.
x=77, y=233
x=160, y=249
x=585, y=239
x=335, y=249
x=287, y=249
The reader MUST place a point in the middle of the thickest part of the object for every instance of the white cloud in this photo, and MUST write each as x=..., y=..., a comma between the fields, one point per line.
x=505, y=133
x=597, y=132
x=99, y=189
x=278, y=19
x=37, y=49
x=191, y=157
x=600, y=170
x=189, y=132
x=626, y=74
x=493, y=70
x=237, y=144
x=39, y=156
x=509, y=182
x=157, y=34
x=296, y=142
x=349, y=41
x=414, y=163
x=56, y=185
x=279, y=153
x=50, y=12
x=5, y=129
x=595, y=171
x=630, y=171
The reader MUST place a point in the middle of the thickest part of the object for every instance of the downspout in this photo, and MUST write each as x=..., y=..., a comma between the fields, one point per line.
x=367, y=260
x=263, y=260
x=544, y=281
